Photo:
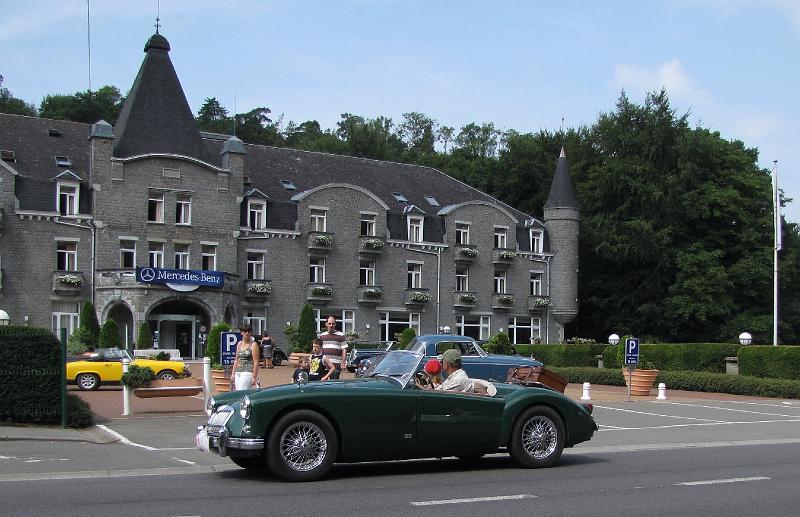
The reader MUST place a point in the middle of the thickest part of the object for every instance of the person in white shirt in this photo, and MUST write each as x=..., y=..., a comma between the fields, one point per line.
x=457, y=379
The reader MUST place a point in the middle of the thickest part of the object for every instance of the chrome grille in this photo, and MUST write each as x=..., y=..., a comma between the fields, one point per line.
x=221, y=416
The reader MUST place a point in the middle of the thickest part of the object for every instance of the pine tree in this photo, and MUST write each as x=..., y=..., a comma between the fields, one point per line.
x=109, y=335
x=89, y=323
x=307, y=328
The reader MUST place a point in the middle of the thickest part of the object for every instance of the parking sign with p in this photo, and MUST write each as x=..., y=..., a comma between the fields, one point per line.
x=631, y=351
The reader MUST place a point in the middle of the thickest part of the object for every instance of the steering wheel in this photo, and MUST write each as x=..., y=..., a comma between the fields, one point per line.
x=424, y=380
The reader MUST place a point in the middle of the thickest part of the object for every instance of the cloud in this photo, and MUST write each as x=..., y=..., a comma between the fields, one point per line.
x=756, y=126
x=669, y=75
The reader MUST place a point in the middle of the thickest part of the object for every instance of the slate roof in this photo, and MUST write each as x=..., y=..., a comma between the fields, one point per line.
x=36, y=149
x=156, y=117
x=562, y=194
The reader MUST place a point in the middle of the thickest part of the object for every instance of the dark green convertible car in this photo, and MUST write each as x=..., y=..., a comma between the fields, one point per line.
x=300, y=430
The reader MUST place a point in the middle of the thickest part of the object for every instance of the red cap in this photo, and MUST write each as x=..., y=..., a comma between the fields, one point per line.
x=433, y=366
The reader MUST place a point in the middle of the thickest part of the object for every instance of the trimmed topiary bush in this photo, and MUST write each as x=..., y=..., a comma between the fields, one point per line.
x=306, y=329
x=777, y=362
x=109, y=335
x=213, y=344
x=89, y=322
x=405, y=338
x=144, y=338
x=498, y=344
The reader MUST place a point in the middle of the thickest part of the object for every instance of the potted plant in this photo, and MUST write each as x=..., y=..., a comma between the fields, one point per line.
x=145, y=385
x=642, y=379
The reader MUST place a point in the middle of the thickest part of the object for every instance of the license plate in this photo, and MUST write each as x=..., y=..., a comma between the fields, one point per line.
x=201, y=439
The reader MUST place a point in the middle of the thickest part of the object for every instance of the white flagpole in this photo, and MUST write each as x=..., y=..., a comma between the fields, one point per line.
x=776, y=212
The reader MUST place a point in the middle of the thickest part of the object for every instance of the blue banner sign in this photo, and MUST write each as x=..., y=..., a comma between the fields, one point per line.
x=154, y=275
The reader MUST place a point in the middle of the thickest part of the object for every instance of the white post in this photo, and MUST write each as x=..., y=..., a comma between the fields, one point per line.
x=776, y=213
x=586, y=389
x=662, y=391
x=126, y=393
x=206, y=380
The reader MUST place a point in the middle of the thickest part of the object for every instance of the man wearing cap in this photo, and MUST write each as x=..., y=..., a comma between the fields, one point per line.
x=457, y=379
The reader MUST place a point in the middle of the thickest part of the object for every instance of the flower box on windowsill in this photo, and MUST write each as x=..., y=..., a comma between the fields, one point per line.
x=370, y=294
x=257, y=289
x=465, y=253
x=538, y=303
x=502, y=302
x=370, y=245
x=68, y=283
x=464, y=299
x=502, y=258
x=320, y=242
x=319, y=293
x=417, y=296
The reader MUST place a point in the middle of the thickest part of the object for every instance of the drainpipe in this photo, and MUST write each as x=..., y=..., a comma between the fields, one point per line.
x=438, y=254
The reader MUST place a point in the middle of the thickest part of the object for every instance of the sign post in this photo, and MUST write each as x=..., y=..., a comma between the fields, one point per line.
x=227, y=347
x=631, y=359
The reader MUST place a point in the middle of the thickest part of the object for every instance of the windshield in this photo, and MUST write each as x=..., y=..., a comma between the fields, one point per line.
x=398, y=365
x=416, y=346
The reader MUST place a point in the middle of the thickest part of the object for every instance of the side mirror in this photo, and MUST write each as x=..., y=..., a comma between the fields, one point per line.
x=302, y=378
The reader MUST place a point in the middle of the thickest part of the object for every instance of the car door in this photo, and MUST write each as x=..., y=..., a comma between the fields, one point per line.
x=454, y=424
x=111, y=369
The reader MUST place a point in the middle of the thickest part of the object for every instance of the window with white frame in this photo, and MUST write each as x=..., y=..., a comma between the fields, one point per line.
x=393, y=323
x=345, y=321
x=348, y=321
x=414, y=275
x=462, y=233
x=256, y=265
x=256, y=214
x=181, y=256
x=499, y=282
x=476, y=327
x=522, y=330
x=321, y=321
x=67, y=199
x=537, y=240
x=368, y=225
x=316, y=269
x=415, y=228
x=500, y=237
x=65, y=316
x=155, y=207
x=319, y=220
x=536, y=283
x=208, y=257
x=155, y=254
x=183, y=209
x=257, y=320
x=66, y=256
x=366, y=272
x=127, y=253
x=462, y=278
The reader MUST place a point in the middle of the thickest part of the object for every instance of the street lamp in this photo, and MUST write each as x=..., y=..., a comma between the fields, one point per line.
x=745, y=338
x=613, y=339
x=5, y=319
x=446, y=330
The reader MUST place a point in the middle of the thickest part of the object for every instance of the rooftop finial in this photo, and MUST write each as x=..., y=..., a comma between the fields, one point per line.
x=158, y=15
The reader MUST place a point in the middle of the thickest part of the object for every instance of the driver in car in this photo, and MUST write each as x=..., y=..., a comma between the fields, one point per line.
x=457, y=379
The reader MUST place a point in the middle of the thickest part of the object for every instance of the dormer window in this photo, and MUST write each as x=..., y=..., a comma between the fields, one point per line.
x=8, y=156
x=400, y=197
x=256, y=214
x=54, y=132
x=67, y=200
x=288, y=185
x=537, y=241
x=415, y=228
x=63, y=161
x=432, y=201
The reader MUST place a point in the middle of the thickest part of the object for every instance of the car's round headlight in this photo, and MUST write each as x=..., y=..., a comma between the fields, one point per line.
x=244, y=408
x=210, y=406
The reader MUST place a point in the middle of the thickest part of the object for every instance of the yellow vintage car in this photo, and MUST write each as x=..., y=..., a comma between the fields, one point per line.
x=104, y=366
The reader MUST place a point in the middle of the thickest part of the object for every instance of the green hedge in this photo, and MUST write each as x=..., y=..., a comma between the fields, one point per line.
x=776, y=362
x=700, y=357
x=30, y=379
x=563, y=355
x=692, y=381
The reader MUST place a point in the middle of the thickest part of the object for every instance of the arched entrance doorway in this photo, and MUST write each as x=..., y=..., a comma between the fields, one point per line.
x=177, y=324
x=123, y=317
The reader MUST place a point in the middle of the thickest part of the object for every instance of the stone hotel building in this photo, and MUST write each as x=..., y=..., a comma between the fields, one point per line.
x=153, y=220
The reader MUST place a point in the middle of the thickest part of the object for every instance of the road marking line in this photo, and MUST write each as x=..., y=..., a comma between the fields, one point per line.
x=658, y=414
x=184, y=461
x=473, y=500
x=730, y=409
x=721, y=481
x=124, y=440
x=610, y=449
x=699, y=424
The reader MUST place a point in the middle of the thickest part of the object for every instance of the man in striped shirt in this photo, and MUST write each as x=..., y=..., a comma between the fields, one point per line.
x=334, y=346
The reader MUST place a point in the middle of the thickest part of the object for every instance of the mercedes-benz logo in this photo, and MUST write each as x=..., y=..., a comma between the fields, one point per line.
x=148, y=275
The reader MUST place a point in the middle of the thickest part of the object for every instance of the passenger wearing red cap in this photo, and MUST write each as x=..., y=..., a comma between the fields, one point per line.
x=434, y=369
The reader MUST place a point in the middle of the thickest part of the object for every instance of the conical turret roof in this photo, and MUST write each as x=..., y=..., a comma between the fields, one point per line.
x=156, y=117
x=562, y=194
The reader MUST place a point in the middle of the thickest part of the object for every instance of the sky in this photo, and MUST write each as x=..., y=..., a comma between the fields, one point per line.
x=732, y=65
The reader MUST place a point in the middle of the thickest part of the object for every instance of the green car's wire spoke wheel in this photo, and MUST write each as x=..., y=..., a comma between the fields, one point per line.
x=301, y=446
x=538, y=437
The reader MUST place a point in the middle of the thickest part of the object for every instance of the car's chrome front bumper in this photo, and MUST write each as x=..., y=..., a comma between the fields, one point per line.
x=217, y=440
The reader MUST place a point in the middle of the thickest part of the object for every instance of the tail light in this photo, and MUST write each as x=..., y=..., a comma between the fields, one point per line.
x=588, y=407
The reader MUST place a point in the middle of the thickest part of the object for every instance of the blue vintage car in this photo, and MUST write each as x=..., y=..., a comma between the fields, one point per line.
x=299, y=431
x=478, y=363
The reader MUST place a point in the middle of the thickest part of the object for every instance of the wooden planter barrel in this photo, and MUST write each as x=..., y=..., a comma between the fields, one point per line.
x=170, y=388
x=641, y=381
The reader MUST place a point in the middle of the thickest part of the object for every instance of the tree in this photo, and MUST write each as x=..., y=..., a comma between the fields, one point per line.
x=109, y=335
x=255, y=127
x=307, y=328
x=477, y=141
x=405, y=337
x=446, y=136
x=13, y=105
x=213, y=117
x=370, y=138
x=89, y=323
x=144, y=338
x=87, y=107
x=213, y=344
x=418, y=131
